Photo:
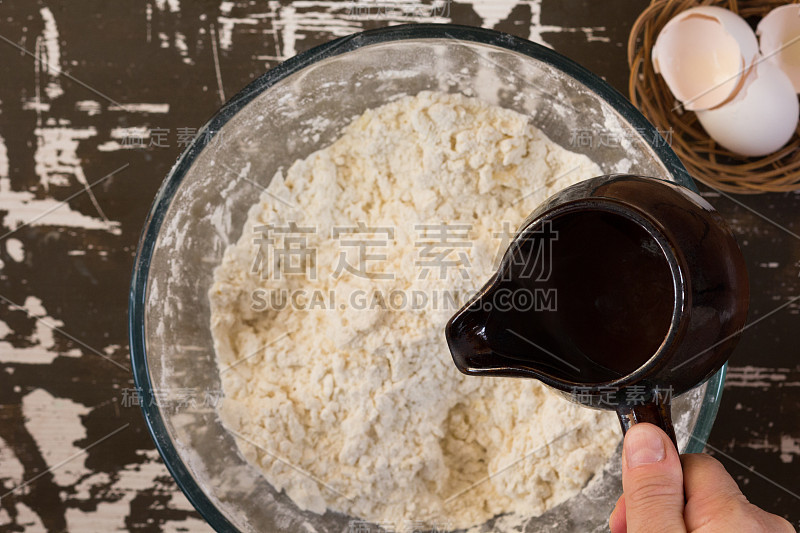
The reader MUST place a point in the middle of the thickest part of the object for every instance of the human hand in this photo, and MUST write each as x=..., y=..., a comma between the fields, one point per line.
x=654, y=485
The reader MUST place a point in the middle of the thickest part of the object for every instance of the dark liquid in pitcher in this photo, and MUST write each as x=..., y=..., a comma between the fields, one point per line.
x=614, y=300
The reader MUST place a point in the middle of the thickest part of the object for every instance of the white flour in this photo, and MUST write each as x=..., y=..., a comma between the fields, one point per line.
x=359, y=408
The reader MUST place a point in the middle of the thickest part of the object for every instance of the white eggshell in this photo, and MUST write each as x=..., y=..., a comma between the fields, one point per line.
x=703, y=54
x=779, y=36
x=761, y=119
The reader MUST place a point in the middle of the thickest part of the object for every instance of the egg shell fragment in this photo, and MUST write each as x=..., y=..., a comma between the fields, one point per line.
x=779, y=38
x=703, y=54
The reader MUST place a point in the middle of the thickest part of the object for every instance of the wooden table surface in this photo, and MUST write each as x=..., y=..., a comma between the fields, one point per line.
x=96, y=102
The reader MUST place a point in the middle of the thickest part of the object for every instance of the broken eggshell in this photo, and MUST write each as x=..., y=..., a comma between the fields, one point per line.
x=704, y=54
x=760, y=119
x=779, y=37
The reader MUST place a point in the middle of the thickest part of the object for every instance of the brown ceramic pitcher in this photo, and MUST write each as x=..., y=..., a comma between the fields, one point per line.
x=620, y=291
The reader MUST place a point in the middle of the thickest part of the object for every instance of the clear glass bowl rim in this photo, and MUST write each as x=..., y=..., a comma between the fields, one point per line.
x=136, y=307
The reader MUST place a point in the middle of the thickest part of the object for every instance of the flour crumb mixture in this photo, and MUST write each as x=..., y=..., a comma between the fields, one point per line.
x=364, y=396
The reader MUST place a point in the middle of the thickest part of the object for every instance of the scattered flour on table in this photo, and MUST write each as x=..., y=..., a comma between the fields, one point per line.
x=365, y=398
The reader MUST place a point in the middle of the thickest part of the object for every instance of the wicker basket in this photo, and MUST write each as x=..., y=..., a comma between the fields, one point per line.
x=705, y=160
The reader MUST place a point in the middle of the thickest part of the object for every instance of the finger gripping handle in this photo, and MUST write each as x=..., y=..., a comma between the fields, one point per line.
x=656, y=411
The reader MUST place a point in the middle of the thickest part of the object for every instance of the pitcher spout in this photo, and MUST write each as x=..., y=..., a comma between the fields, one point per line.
x=489, y=336
x=467, y=339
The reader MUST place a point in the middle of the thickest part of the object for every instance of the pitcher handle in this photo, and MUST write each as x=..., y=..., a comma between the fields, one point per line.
x=655, y=410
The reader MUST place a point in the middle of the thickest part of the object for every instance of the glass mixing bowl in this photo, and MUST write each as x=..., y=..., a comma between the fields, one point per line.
x=285, y=115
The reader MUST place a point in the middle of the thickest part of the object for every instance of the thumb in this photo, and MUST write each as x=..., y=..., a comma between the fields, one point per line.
x=652, y=480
